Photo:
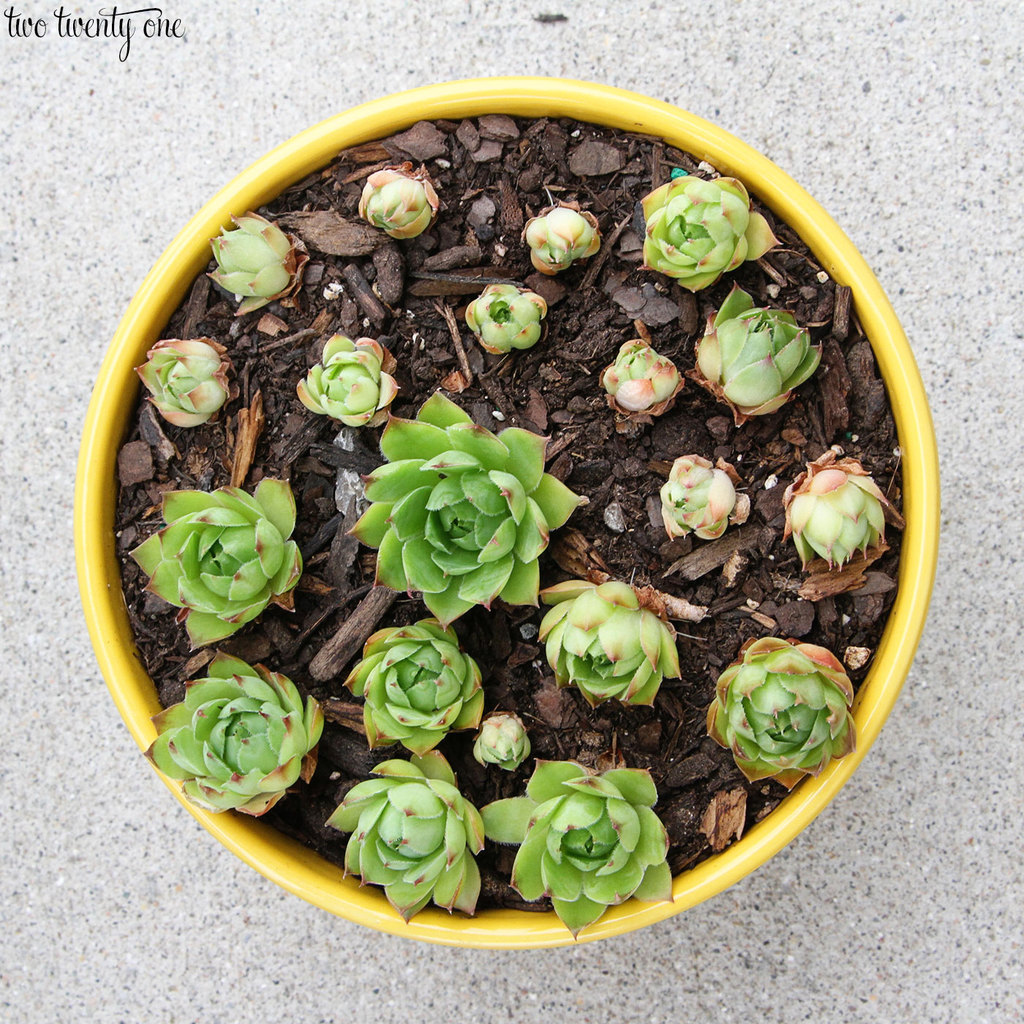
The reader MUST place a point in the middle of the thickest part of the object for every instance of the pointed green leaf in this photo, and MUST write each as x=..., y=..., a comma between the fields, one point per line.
x=506, y=821
x=411, y=439
x=555, y=501
x=441, y=412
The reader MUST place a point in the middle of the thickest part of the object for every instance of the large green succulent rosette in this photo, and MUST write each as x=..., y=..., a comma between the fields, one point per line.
x=240, y=738
x=223, y=556
x=752, y=358
x=418, y=684
x=783, y=710
x=459, y=513
x=600, y=640
x=415, y=834
x=587, y=841
x=698, y=230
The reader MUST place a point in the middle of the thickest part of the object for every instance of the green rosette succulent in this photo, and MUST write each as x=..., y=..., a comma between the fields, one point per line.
x=257, y=261
x=399, y=201
x=505, y=317
x=833, y=510
x=240, y=738
x=502, y=741
x=187, y=379
x=560, y=236
x=415, y=834
x=640, y=380
x=697, y=230
x=223, y=556
x=697, y=498
x=459, y=513
x=783, y=710
x=587, y=841
x=350, y=384
x=599, y=639
x=418, y=685
x=752, y=359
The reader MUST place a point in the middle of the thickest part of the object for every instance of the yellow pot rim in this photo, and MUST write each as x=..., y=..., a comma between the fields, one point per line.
x=284, y=861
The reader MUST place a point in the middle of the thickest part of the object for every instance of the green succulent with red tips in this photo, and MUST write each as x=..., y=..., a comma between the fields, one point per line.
x=502, y=741
x=415, y=834
x=187, y=379
x=833, y=510
x=560, y=235
x=418, y=684
x=782, y=708
x=239, y=739
x=600, y=640
x=697, y=230
x=505, y=317
x=223, y=556
x=752, y=359
x=352, y=383
x=588, y=841
x=461, y=514
x=257, y=262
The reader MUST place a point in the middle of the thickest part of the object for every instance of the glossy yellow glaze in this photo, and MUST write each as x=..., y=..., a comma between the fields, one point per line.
x=279, y=858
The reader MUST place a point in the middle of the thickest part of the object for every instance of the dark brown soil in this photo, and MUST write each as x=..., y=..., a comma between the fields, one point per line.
x=491, y=175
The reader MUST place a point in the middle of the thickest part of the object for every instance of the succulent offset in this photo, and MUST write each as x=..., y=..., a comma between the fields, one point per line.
x=415, y=834
x=418, y=685
x=599, y=639
x=350, y=384
x=257, y=261
x=697, y=498
x=187, y=380
x=640, y=381
x=587, y=841
x=400, y=201
x=560, y=236
x=459, y=513
x=505, y=317
x=223, y=556
x=503, y=741
x=240, y=738
x=833, y=510
x=698, y=230
x=783, y=709
x=752, y=359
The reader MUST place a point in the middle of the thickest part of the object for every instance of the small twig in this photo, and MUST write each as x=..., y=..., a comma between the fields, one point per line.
x=598, y=262
x=250, y=426
x=453, y=329
x=299, y=337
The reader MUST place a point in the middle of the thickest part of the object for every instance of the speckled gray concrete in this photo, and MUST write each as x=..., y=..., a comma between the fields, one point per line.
x=903, y=901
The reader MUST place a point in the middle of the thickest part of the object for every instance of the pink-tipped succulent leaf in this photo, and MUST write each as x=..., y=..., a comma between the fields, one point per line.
x=351, y=383
x=187, y=380
x=418, y=685
x=257, y=262
x=588, y=841
x=223, y=556
x=600, y=640
x=415, y=834
x=697, y=498
x=400, y=201
x=240, y=738
x=697, y=230
x=833, y=510
x=502, y=741
x=640, y=382
x=505, y=317
x=560, y=236
x=783, y=709
x=752, y=359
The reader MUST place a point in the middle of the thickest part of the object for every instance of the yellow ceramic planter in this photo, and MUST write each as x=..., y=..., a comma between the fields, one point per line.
x=285, y=861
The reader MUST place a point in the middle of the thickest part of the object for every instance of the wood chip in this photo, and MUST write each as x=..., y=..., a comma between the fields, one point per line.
x=370, y=305
x=593, y=158
x=339, y=650
x=428, y=284
x=345, y=713
x=834, y=381
x=823, y=582
x=329, y=232
x=367, y=153
x=272, y=325
x=389, y=263
x=724, y=818
x=456, y=382
x=712, y=556
x=247, y=432
x=195, y=310
x=153, y=434
x=841, y=313
x=190, y=670
x=498, y=126
x=423, y=141
x=134, y=463
x=454, y=257
x=575, y=555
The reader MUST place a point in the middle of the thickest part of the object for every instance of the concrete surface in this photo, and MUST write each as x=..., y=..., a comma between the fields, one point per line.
x=903, y=902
